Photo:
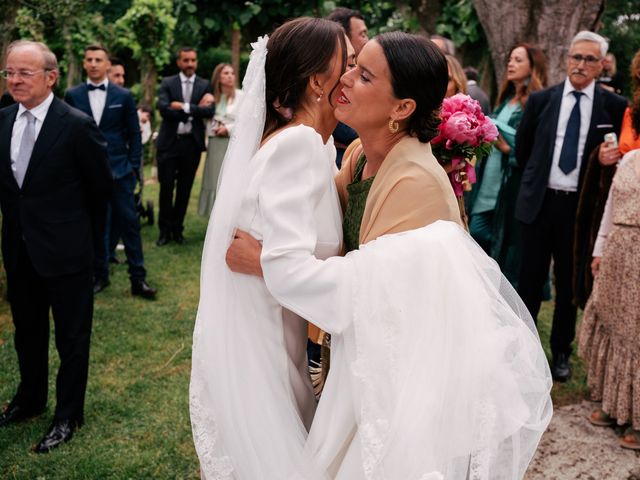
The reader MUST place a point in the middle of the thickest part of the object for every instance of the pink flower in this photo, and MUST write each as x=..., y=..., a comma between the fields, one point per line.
x=463, y=133
x=489, y=130
x=462, y=128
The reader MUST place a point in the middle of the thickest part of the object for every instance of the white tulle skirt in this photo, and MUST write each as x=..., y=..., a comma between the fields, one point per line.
x=439, y=375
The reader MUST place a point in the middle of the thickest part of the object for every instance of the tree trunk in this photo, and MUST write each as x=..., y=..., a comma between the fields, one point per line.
x=235, y=53
x=427, y=12
x=148, y=79
x=551, y=24
x=10, y=9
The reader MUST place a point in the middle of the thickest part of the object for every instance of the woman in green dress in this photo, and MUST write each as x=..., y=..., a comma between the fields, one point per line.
x=492, y=223
x=226, y=98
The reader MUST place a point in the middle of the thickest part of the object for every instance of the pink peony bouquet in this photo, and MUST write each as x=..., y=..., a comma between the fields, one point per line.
x=464, y=135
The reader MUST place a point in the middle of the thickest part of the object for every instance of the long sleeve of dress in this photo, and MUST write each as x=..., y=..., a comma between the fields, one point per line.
x=605, y=226
x=293, y=181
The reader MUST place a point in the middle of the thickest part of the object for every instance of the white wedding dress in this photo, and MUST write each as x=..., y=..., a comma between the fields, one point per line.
x=251, y=396
x=437, y=371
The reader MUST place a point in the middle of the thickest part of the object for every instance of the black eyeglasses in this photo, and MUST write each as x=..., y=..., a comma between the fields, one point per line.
x=588, y=59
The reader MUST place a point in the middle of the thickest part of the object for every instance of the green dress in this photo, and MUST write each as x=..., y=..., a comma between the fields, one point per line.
x=358, y=191
x=216, y=149
x=495, y=196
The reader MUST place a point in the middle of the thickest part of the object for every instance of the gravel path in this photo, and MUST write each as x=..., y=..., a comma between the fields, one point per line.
x=572, y=448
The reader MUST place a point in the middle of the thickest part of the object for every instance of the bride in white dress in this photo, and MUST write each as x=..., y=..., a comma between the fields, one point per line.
x=251, y=397
x=437, y=369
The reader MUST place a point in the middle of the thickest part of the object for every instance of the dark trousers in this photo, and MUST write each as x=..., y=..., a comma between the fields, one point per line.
x=176, y=170
x=123, y=222
x=551, y=235
x=70, y=298
x=481, y=229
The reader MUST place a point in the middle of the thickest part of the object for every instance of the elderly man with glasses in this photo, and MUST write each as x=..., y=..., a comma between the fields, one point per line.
x=54, y=179
x=560, y=143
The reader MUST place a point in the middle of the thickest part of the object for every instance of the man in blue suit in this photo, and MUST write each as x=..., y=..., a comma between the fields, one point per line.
x=114, y=111
x=560, y=138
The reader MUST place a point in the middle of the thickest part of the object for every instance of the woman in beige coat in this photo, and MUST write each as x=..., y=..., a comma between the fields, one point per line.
x=390, y=181
x=424, y=383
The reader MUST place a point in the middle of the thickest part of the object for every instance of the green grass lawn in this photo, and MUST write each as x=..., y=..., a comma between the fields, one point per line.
x=136, y=415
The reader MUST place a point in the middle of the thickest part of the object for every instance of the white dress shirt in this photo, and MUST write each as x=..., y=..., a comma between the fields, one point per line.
x=97, y=99
x=558, y=180
x=185, y=127
x=40, y=112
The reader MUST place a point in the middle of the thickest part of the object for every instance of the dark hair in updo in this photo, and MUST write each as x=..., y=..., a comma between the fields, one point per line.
x=418, y=71
x=297, y=50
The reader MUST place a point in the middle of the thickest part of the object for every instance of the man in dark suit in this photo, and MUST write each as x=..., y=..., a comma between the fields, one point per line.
x=560, y=128
x=475, y=91
x=54, y=176
x=180, y=142
x=114, y=111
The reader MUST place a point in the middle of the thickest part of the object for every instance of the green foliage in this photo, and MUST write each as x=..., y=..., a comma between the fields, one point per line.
x=621, y=25
x=209, y=58
x=460, y=23
x=29, y=25
x=147, y=29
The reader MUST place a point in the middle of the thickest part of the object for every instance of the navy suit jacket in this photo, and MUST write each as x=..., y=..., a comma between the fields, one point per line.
x=119, y=124
x=170, y=91
x=536, y=136
x=64, y=190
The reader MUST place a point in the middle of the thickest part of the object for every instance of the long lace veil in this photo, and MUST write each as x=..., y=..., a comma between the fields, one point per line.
x=216, y=286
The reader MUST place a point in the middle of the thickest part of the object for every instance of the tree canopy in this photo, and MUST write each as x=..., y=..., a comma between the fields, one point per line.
x=146, y=33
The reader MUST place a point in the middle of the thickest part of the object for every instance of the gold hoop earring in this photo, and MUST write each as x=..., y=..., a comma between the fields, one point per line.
x=394, y=126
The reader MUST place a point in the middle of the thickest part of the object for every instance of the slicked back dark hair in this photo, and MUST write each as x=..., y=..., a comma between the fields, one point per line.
x=185, y=49
x=116, y=61
x=95, y=48
x=418, y=71
x=297, y=50
x=343, y=16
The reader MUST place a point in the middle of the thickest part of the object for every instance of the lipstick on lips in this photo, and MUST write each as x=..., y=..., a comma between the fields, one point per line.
x=342, y=99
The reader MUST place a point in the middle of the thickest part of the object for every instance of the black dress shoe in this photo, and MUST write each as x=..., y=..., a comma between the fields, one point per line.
x=15, y=413
x=99, y=284
x=178, y=238
x=560, y=369
x=142, y=289
x=59, y=432
x=163, y=239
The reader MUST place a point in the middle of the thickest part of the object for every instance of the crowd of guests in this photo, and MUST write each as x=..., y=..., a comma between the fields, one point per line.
x=552, y=189
x=540, y=197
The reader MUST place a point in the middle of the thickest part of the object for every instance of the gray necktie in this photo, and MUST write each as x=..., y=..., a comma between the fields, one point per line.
x=188, y=90
x=26, y=147
x=185, y=127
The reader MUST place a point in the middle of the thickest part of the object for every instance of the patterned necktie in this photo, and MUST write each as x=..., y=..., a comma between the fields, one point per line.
x=26, y=147
x=569, y=152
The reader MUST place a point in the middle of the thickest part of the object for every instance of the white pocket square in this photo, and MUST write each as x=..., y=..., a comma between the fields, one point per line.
x=119, y=105
x=605, y=125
